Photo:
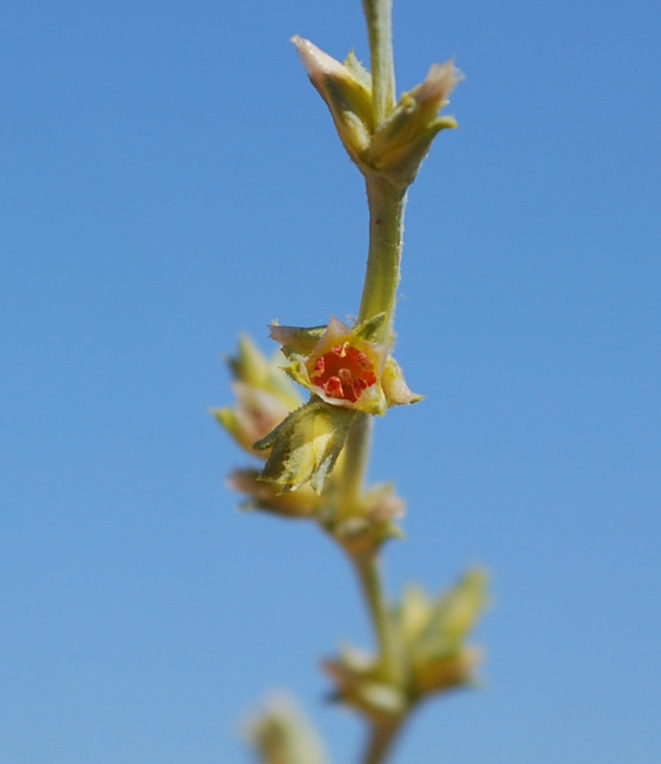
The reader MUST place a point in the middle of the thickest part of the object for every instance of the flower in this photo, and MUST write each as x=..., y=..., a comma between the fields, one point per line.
x=343, y=367
x=347, y=374
x=395, y=148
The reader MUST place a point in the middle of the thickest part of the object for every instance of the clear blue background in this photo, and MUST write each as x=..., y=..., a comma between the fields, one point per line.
x=169, y=177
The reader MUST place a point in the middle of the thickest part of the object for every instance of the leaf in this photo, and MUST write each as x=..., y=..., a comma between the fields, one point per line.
x=296, y=340
x=305, y=446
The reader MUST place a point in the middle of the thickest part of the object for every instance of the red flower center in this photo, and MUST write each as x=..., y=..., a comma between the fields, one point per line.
x=344, y=372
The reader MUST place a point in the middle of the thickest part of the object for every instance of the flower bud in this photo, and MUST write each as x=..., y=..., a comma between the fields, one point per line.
x=264, y=397
x=359, y=684
x=401, y=143
x=455, y=613
x=434, y=634
x=447, y=672
x=373, y=522
x=346, y=89
x=414, y=614
x=395, y=148
x=303, y=503
x=282, y=735
x=256, y=414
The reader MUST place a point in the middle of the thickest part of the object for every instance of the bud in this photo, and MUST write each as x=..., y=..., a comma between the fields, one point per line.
x=395, y=148
x=413, y=614
x=433, y=634
x=446, y=672
x=373, y=523
x=401, y=143
x=282, y=735
x=264, y=397
x=303, y=503
x=358, y=683
x=255, y=415
x=455, y=614
x=252, y=367
x=346, y=89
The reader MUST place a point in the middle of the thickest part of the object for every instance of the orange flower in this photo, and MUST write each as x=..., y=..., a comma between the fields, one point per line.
x=343, y=367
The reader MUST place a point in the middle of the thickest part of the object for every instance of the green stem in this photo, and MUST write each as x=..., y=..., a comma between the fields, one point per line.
x=386, y=203
x=380, y=741
x=386, y=229
x=369, y=576
x=386, y=210
x=378, y=14
x=356, y=457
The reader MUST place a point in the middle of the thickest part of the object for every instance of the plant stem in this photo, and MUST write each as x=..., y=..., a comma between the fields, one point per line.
x=386, y=228
x=386, y=212
x=356, y=457
x=378, y=14
x=369, y=575
x=380, y=741
x=386, y=202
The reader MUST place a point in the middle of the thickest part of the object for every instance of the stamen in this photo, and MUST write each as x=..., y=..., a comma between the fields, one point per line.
x=358, y=385
x=363, y=361
x=344, y=372
x=333, y=388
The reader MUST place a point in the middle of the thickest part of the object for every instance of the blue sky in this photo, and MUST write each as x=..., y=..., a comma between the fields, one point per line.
x=169, y=178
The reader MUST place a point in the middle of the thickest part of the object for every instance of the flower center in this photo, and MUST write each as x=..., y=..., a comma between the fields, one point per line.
x=344, y=372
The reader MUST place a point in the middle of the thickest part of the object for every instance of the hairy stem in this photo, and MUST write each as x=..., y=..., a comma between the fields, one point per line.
x=386, y=213
x=356, y=457
x=369, y=576
x=386, y=229
x=378, y=14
